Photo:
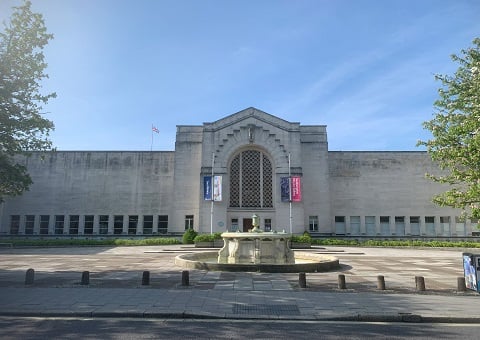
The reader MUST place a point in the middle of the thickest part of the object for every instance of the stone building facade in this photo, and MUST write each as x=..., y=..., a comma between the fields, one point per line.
x=252, y=154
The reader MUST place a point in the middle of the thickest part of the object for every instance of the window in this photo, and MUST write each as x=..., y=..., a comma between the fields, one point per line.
x=475, y=225
x=29, y=224
x=148, y=224
x=188, y=222
x=460, y=229
x=162, y=224
x=59, y=224
x=74, y=223
x=355, y=225
x=234, y=224
x=132, y=224
x=88, y=225
x=415, y=225
x=103, y=224
x=251, y=180
x=340, y=225
x=268, y=224
x=14, y=224
x=44, y=222
x=313, y=223
x=385, y=225
x=430, y=225
x=118, y=224
x=444, y=226
x=399, y=225
x=370, y=225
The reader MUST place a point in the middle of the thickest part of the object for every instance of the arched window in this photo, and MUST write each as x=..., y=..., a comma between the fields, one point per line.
x=251, y=180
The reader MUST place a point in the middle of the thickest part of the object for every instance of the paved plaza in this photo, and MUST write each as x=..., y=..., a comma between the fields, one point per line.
x=115, y=286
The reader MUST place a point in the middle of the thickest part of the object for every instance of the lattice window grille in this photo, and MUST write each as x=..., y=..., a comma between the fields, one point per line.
x=235, y=182
x=251, y=180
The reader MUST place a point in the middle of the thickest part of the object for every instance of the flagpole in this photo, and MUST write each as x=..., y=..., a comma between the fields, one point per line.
x=290, y=191
x=212, y=191
x=151, y=145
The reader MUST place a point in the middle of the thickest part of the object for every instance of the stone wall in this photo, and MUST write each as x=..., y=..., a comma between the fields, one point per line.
x=388, y=185
x=95, y=183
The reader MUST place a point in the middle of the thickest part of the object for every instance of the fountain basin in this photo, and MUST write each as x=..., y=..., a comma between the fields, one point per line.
x=304, y=262
x=256, y=247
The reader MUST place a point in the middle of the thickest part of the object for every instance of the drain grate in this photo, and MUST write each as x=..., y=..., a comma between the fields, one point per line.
x=265, y=309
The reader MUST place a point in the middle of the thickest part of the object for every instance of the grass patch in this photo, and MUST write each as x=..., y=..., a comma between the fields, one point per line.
x=105, y=242
x=210, y=237
x=396, y=243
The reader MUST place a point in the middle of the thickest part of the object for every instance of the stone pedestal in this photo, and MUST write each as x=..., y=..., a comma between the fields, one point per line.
x=256, y=248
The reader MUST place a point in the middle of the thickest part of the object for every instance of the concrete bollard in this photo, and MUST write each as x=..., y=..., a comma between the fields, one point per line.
x=341, y=282
x=302, y=280
x=29, y=276
x=85, y=278
x=185, y=278
x=146, y=278
x=420, y=283
x=461, y=286
x=380, y=282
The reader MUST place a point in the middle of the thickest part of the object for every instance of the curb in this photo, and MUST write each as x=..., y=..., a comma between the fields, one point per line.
x=402, y=317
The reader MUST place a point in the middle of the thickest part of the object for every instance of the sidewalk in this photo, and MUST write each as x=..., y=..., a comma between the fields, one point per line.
x=115, y=288
x=236, y=304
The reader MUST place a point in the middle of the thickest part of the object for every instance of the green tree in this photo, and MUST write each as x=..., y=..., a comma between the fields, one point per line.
x=22, y=69
x=455, y=145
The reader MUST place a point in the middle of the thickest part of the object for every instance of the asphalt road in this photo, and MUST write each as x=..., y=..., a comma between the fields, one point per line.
x=64, y=328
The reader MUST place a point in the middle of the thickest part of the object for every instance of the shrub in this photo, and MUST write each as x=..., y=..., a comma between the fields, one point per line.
x=335, y=242
x=208, y=237
x=305, y=238
x=204, y=238
x=189, y=236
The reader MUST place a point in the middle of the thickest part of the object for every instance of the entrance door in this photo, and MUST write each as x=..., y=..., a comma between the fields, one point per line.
x=247, y=224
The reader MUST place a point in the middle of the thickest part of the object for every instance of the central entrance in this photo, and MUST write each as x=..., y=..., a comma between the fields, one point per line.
x=247, y=224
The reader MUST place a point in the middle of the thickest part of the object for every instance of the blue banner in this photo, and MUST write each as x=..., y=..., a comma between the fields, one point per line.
x=207, y=188
x=285, y=189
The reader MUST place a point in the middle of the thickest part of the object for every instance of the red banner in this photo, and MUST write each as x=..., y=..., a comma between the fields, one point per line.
x=296, y=189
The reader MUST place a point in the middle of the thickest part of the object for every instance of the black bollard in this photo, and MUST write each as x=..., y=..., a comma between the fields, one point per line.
x=30, y=276
x=380, y=282
x=85, y=278
x=146, y=278
x=341, y=282
x=420, y=283
x=185, y=278
x=302, y=280
x=461, y=287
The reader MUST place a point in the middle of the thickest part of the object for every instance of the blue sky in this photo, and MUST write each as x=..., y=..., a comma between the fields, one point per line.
x=364, y=68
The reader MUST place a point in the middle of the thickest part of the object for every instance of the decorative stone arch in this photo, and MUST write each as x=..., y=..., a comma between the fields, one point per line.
x=242, y=137
x=252, y=178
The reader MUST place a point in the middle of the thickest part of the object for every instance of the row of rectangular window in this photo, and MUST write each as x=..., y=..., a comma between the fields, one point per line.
x=73, y=225
x=370, y=225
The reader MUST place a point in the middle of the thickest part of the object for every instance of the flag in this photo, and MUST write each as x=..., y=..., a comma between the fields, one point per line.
x=154, y=129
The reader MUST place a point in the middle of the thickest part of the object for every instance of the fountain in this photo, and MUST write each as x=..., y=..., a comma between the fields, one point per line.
x=256, y=247
x=258, y=251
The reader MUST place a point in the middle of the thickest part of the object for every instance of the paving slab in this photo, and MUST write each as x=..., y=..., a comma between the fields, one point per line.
x=115, y=286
